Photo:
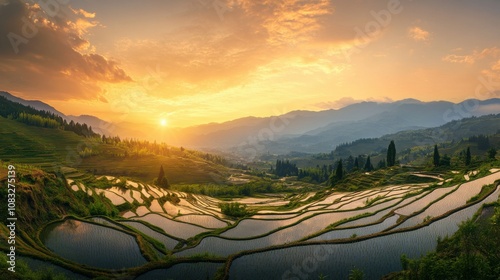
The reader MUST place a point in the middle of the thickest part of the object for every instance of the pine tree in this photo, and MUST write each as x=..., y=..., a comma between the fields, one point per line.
x=391, y=154
x=162, y=181
x=437, y=158
x=468, y=157
x=368, y=165
x=339, y=173
x=356, y=163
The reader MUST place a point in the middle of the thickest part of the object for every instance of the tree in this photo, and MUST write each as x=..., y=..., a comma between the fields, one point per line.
x=468, y=157
x=339, y=173
x=445, y=160
x=368, y=165
x=162, y=181
x=436, y=156
x=492, y=153
x=356, y=163
x=349, y=163
x=391, y=154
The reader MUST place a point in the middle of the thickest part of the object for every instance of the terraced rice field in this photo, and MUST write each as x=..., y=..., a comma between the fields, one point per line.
x=194, y=226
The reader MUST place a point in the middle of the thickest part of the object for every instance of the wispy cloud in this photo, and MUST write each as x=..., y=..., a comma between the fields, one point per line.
x=83, y=13
x=418, y=34
x=472, y=57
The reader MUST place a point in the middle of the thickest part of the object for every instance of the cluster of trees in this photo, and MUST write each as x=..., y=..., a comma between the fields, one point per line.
x=285, y=168
x=464, y=156
x=437, y=160
x=234, y=209
x=361, y=162
x=315, y=174
x=37, y=120
x=482, y=141
x=340, y=171
x=247, y=189
x=212, y=158
x=334, y=172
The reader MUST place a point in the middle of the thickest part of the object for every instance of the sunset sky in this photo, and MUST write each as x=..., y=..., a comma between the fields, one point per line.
x=188, y=62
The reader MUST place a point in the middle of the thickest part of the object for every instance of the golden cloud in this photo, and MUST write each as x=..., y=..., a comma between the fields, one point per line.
x=210, y=54
x=42, y=55
x=473, y=57
x=418, y=34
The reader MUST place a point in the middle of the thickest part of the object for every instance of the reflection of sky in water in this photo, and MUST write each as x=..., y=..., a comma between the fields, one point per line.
x=93, y=245
x=376, y=257
x=173, y=228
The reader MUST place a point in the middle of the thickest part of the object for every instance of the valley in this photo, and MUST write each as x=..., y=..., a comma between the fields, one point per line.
x=99, y=207
x=138, y=229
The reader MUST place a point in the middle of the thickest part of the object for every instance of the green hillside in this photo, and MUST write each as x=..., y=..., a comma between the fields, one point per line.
x=413, y=140
x=52, y=148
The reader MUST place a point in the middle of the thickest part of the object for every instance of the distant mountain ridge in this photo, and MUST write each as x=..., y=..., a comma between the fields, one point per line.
x=451, y=131
x=315, y=132
x=296, y=131
x=36, y=104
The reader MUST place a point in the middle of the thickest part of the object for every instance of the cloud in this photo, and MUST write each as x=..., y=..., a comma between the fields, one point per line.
x=453, y=58
x=209, y=54
x=83, y=13
x=45, y=54
x=418, y=34
x=473, y=57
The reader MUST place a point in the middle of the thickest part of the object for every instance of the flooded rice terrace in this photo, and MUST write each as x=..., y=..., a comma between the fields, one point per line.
x=392, y=217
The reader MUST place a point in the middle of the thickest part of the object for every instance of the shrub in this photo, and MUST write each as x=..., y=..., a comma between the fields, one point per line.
x=234, y=209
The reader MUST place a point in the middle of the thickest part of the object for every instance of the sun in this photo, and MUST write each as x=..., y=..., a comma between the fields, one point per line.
x=163, y=122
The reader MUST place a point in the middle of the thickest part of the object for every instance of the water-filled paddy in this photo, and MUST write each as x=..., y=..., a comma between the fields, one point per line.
x=167, y=241
x=173, y=228
x=93, y=245
x=375, y=257
x=202, y=220
x=359, y=231
x=115, y=199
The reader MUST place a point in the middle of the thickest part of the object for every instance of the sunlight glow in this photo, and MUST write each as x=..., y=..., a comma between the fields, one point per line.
x=163, y=122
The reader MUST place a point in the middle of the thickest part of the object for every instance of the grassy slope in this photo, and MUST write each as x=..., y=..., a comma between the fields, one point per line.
x=415, y=138
x=20, y=143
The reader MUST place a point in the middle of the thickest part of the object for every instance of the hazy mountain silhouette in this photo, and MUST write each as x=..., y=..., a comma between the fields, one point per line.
x=301, y=131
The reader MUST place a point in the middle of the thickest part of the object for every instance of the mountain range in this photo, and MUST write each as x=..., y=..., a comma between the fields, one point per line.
x=302, y=131
x=316, y=132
